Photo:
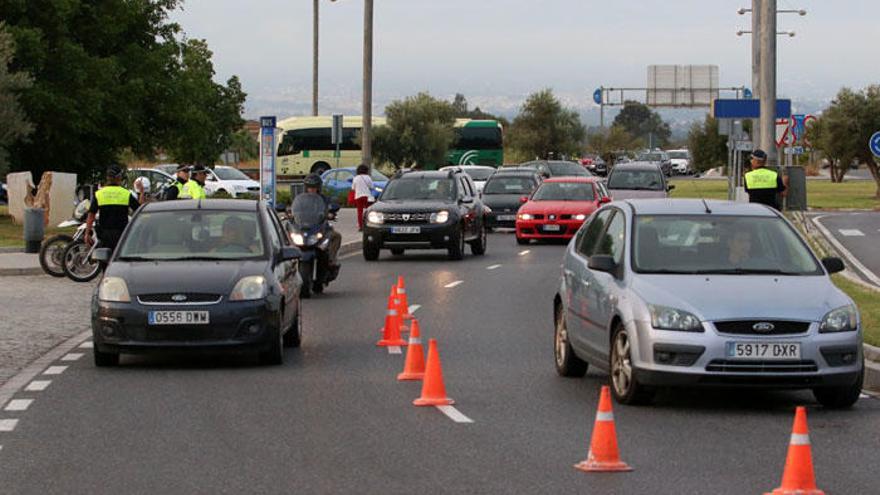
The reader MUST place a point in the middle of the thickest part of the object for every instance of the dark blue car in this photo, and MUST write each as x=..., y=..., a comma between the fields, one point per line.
x=337, y=182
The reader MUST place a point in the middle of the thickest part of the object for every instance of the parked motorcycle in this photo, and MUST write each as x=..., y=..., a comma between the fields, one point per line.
x=52, y=249
x=310, y=230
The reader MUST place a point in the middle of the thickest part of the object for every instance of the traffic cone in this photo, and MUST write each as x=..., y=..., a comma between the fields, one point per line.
x=798, y=477
x=401, y=309
x=391, y=330
x=404, y=301
x=433, y=390
x=414, y=366
x=603, y=456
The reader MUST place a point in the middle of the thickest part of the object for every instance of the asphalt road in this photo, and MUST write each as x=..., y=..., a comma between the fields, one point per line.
x=859, y=233
x=333, y=419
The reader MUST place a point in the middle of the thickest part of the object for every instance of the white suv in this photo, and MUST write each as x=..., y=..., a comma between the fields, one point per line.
x=681, y=161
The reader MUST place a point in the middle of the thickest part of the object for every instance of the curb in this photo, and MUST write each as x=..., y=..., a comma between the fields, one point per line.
x=20, y=272
x=872, y=368
x=350, y=247
x=4, y=250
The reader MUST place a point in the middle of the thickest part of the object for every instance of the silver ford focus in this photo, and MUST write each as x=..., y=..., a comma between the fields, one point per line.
x=704, y=293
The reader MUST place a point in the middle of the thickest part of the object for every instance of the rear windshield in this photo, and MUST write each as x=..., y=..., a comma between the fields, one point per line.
x=638, y=179
x=479, y=173
x=566, y=168
x=500, y=184
x=564, y=191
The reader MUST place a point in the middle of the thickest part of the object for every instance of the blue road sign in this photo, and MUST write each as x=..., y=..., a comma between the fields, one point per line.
x=798, y=126
x=597, y=96
x=267, y=159
x=747, y=93
x=874, y=144
x=730, y=108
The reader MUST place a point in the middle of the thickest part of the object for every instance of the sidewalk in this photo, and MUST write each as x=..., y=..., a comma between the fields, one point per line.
x=21, y=263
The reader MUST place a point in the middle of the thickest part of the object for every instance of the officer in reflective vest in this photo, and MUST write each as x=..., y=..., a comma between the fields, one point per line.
x=113, y=202
x=175, y=190
x=195, y=186
x=762, y=183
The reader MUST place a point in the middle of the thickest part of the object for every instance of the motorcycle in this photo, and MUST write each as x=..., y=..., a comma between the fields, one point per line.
x=52, y=249
x=310, y=231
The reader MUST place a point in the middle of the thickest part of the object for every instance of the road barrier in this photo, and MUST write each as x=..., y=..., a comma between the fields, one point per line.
x=414, y=366
x=433, y=389
x=798, y=477
x=604, y=456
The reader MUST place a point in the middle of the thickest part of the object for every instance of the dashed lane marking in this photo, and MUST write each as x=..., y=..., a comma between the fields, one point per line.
x=87, y=345
x=454, y=414
x=454, y=284
x=493, y=267
x=393, y=349
x=413, y=308
x=73, y=356
x=523, y=253
x=55, y=370
x=19, y=404
x=8, y=424
x=37, y=385
x=851, y=232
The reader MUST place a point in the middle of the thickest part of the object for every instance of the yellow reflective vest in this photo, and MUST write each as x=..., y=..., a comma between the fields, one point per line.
x=193, y=190
x=113, y=196
x=761, y=178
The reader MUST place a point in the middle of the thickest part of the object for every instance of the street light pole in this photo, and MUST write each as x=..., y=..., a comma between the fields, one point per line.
x=315, y=57
x=767, y=40
x=367, y=126
x=756, y=63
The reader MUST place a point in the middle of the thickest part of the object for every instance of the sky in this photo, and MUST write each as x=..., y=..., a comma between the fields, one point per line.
x=498, y=51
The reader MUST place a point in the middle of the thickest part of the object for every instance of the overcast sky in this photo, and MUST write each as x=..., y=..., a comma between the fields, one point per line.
x=499, y=48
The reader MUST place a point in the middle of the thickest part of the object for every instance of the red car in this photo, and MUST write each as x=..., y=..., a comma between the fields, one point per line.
x=558, y=208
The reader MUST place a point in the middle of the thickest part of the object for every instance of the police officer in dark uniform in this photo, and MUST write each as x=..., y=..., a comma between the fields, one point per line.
x=762, y=183
x=175, y=189
x=113, y=202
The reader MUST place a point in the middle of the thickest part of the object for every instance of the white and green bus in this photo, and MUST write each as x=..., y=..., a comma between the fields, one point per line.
x=477, y=142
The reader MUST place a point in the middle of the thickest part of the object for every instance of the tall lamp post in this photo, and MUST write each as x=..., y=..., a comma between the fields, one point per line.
x=315, y=57
x=367, y=125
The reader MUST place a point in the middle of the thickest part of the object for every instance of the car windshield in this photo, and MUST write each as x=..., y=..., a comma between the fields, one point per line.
x=678, y=155
x=193, y=235
x=378, y=176
x=621, y=178
x=558, y=169
x=420, y=188
x=228, y=173
x=651, y=157
x=706, y=244
x=564, y=191
x=479, y=173
x=500, y=184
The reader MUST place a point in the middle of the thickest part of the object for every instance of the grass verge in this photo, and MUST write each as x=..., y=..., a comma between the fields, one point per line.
x=868, y=302
x=822, y=194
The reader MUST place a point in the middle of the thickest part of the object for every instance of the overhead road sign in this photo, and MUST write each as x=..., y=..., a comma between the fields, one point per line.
x=597, y=96
x=874, y=144
x=728, y=108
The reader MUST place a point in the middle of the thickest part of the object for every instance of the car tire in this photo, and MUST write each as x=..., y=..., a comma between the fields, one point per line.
x=105, y=359
x=293, y=337
x=567, y=363
x=52, y=254
x=456, y=245
x=320, y=167
x=274, y=354
x=840, y=397
x=521, y=241
x=478, y=246
x=397, y=251
x=625, y=387
x=371, y=251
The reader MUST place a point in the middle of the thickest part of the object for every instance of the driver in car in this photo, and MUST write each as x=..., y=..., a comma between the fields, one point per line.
x=233, y=239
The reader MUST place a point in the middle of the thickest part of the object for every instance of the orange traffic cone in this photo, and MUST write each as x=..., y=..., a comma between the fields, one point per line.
x=391, y=330
x=433, y=390
x=414, y=366
x=401, y=309
x=404, y=302
x=798, y=477
x=603, y=456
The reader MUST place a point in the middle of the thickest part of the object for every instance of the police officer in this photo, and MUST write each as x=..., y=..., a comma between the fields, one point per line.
x=175, y=190
x=762, y=183
x=195, y=186
x=113, y=202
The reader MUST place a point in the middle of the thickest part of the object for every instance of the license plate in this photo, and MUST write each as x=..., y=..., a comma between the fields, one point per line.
x=505, y=218
x=552, y=228
x=178, y=318
x=764, y=350
x=406, y=230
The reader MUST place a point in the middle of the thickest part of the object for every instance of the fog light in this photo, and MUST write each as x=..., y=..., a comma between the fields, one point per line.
x=446, y=238
x=848, y=358
x=370, y=238
x=663, y=357
x=254, y=329
x=107, y=330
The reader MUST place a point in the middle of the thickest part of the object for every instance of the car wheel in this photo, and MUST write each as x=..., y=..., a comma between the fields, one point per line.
x=397, y=251
x=371, y=251
x=456, y=245
x=478, y=247
x=105, y=359
x=293, y=337
x=320, y=167
x=840, y=397
x=521, y=241
x=567, y=363
x=625, y=388
x=274, y=354
x=52, y=254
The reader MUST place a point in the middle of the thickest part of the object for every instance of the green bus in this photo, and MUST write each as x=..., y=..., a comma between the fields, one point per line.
x=477, y=142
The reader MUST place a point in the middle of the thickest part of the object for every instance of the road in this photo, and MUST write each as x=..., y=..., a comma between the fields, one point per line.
x=859, y=233
x=333, y=419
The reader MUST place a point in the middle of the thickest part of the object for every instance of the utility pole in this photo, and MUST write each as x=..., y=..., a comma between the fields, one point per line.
x=315, y=57
x=767, y=39
x=367, y=126
x=756, y=64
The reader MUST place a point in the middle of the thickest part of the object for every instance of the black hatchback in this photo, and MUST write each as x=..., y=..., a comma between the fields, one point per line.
x=505, y=191
x=208, y=274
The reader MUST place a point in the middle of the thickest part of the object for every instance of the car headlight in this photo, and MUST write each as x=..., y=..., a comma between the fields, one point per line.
x=375, y=217
x=441, y=216
x=525, y=216
x=666, y=318
x=113, y=289
x=249, y=289
x=379, y=189
x=842, y=319
x=297, y=239
x=579, y=216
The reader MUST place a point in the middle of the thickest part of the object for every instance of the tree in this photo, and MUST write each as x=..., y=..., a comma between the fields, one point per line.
x=708, y=148
x=606, y=142
x=13, y=122
x=244, y=145
x=639, y=120
x=543, y=127
x=418, y=131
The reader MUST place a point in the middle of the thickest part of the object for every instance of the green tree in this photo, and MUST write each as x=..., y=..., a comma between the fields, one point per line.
x=244, y=144
x=13, y=122
x=419, y=131
x=606, y=142
x=640, y=121
x=543, y=126
x=708, y=148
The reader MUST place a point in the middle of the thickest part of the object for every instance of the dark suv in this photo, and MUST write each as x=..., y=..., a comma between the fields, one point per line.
x=426, y=210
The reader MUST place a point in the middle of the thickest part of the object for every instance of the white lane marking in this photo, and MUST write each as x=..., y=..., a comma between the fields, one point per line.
x=493, y=267
x=846, y=254
x=87, y=345
x=453, y=284
x=454, y=414
x=851, y=232
x=864, y=396
x=37, y=385
x=394, y=349
x=55, y=370
x=73, y=356
x=8, y=424
x=19, y=404
x=413, y=308
x=523, y=253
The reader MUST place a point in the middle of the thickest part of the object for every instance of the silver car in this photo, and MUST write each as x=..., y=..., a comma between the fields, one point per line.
x=638, y=180
x=693, y=293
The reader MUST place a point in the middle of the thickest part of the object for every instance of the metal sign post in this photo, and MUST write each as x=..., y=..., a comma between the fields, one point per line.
x=267, y=160
x=336, y=134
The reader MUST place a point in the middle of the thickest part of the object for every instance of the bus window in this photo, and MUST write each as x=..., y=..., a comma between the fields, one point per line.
x=478, y=138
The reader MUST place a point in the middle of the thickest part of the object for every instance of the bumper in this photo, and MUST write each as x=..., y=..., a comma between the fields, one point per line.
x=123, y=327
x=538, y=229
x=430, y=236
x=501, y=219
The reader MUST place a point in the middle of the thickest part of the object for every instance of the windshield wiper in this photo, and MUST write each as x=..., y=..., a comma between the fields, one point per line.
x=666, y=271
x=197, y=258
x=746, y=271
x=136, y=258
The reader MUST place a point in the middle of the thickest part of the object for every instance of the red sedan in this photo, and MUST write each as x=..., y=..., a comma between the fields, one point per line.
x=558, y=208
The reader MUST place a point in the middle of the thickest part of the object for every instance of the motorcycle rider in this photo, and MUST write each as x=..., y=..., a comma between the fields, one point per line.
x=175, y=190
x=195, y=186
x=312, y=193
x=113, y=202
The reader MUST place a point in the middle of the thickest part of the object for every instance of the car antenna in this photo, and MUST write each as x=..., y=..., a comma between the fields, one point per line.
x=705, y=204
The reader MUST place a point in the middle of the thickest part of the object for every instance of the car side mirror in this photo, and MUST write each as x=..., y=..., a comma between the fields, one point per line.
x=103, y=255
x=670, y=187
x=290, y=253
x=602, y=263
x=524, y=199
x=833, y=265
x=604, y=200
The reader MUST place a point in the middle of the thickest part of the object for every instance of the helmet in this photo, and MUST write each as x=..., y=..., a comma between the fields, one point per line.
x=115, y=172
x=145, y=182
x=198, y=168
x=313, y=180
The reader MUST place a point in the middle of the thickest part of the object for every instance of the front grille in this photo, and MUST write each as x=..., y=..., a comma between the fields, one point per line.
x=538, y=216
x=254, y=188
x=175, y=298
x=407, y=217
x=759, y=366
x=746, y=327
